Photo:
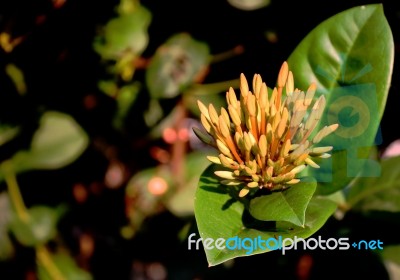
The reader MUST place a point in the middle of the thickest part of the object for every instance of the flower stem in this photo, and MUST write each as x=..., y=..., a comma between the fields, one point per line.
x=239, y=49
x=42, y=253
x=14, y=192
x=44, y=258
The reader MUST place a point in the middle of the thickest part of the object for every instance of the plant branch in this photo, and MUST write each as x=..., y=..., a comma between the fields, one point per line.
x=42, y=253
x=14, y=192
x=44, y=258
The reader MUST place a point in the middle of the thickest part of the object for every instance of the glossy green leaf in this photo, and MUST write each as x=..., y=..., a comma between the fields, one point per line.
x=67, y=268
x=289, y=205
x=218, y=215
x=40, y=227
x=352, y=69
x=378, y=193
x=175, y=65
x=58, y=141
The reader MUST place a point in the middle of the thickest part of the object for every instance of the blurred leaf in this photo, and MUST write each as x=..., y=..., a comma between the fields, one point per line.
x=378, y=193
x=109, y=87
x=39, y=229
x=207, y=93
x=154, y=113
x=391, y=253
x=175, y=65
x=8, y=43
x=127, y=6
x=137, y=189
x=181, y=202
x=249, y=5
x=125, y=34
x=185, y=231
x=6, y=247
x=125, y=66
x=218, y=215
x=164, y=122
x=58, y=142
x=7, y=133
x=125, y=98
x=289, y=205
x=17, y=76
x=337, y=197
x=141, y=202
x=354, y=80
x=67, y=267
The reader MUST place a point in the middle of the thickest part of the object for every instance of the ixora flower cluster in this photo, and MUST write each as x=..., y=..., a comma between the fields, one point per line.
x=263, y=138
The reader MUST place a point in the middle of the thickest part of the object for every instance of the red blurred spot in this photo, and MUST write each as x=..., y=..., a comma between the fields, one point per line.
x=183, y=134
x=115, y=175
x=156, y=271
x=304, y=267
x=86, y=245
x=80, y=193
x=169, y=135
x=58, y=3
x=40, y=19
x=160, y=154
x=90, y=101
x=238, y=49
x=157, y=186
x=96, y=188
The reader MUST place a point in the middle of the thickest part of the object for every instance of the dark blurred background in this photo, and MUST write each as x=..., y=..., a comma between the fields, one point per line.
x=62, y=72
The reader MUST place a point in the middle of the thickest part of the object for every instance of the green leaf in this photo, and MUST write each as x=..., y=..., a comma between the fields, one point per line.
x=66, y=266
x=109, y=87
x=126, y=33
x=125, y=98
x=175, y=65
x=58, y=142
x=289, y=205
x=207, y=93
x=17, y=77
x=7, y=133
x=218, y=215
x=352, y=69
x=39, y=229
x=378, y=193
